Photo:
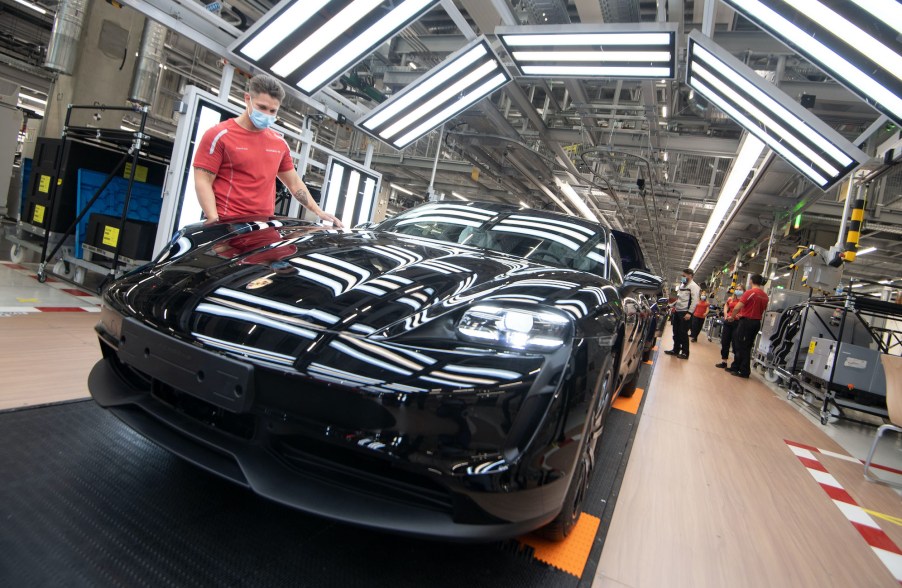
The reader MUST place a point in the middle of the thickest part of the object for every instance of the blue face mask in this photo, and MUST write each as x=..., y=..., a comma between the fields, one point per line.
x=682, y=280
x=261, y=120
x=738, y=293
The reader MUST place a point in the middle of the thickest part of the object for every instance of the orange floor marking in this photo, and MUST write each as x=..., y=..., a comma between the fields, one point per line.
x=571, y=554
x=630, y=404
x=655, y=348
x=648, y=363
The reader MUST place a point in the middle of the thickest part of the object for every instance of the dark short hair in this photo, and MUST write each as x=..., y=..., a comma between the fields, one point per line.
x=758, y=279
x=688, y=271
x=264, y=84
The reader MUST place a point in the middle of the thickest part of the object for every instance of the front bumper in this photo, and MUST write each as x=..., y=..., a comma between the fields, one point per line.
x=474, y=466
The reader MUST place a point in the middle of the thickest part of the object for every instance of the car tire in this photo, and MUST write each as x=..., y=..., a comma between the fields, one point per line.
x=629, y=387
x=565, y=521
x=646, y=355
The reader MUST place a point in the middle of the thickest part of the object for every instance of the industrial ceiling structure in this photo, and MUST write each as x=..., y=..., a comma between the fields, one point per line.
x=646, y=156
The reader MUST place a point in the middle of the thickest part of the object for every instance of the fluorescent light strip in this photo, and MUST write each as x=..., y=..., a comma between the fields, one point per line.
x=400, y=189
x=439, y=99
x=351, y=197
x=591, y=56
x=650, y=72
x=777, y=108
x=753, y=128
x=334, y=193
x=581, y=39
x=782, y=132
x=34, y=7
x=32, y=99
x=887, y=11
x=745, y=160
x=826, y=56
x=429, y=84
x=335, y=26
x=279, y=29
x=866, y=250
x=852, y=34
x=369, y=196
x=578, y=202
x=477, y=94
x=362, y=44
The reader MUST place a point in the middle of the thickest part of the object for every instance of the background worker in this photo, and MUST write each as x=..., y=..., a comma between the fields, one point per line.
x=687, y=295
x=698, y=316
x=748, y=312
x=238, y=160
x=729, y=328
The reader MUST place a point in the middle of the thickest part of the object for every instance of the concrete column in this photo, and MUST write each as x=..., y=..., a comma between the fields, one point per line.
x=99, y=75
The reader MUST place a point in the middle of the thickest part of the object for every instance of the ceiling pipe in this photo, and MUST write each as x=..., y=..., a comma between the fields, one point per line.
x=150, y=61
x=67, y=25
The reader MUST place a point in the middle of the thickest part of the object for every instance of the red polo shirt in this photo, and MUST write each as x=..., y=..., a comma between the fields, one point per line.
x=246, y=164
x=754, y=302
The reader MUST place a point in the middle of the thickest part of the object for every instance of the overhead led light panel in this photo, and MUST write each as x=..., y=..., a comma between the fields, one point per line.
x=817, y=151
x=309, y=43
x=611, y=51
x=464, y=78
x=855, y=41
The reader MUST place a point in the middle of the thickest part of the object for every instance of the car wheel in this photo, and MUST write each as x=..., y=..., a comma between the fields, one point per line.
x=562, y=525
x=629, y=387
x=646, y=355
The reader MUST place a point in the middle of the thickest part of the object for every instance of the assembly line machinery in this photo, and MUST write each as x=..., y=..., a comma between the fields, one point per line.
x=827, y=350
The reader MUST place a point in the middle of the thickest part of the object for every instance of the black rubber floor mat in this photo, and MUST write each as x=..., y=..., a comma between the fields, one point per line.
x=84, y=501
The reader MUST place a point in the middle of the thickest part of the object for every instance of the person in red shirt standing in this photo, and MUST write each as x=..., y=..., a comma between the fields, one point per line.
x=698, y=317
x=748, y=311
x=237, y=161
x=729, y=327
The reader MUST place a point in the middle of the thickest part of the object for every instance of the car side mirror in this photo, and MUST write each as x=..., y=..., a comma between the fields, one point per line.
x=643, y=281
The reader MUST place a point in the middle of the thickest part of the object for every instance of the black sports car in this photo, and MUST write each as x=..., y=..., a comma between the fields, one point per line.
x=446, y=373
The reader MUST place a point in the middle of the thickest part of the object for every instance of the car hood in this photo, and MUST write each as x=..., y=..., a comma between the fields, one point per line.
x=312, y=279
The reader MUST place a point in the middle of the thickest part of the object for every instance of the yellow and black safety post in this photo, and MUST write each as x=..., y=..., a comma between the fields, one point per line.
x=853, y=233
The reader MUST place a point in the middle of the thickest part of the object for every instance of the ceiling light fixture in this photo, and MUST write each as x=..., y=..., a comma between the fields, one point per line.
x=456, y=195
x=646, y=50
x=808, y=144
x=574, y=198
x=32, y=99
x=32, y=6
x=855, y=42
x=745, y=161
x=400, y=189
x=308, y=43
x=465, y=77
x=866, y=250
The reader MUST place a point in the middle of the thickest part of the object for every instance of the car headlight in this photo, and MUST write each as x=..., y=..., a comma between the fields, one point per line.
x=515, y=327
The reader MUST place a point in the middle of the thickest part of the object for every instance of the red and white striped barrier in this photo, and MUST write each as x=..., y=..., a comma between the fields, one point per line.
x=842, y=456
x=880, y=543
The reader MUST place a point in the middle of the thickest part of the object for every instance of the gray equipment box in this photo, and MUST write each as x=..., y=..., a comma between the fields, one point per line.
x=857, y=367
x=782, y=299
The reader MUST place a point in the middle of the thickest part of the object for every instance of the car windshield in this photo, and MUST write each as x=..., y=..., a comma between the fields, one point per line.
x=549, y=239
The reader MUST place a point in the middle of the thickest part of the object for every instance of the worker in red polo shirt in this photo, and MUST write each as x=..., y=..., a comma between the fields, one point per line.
x=726, y=333
x=747, y=312
x=237, y=161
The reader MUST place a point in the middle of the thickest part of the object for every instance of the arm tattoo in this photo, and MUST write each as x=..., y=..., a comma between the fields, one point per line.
x=302, y=196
